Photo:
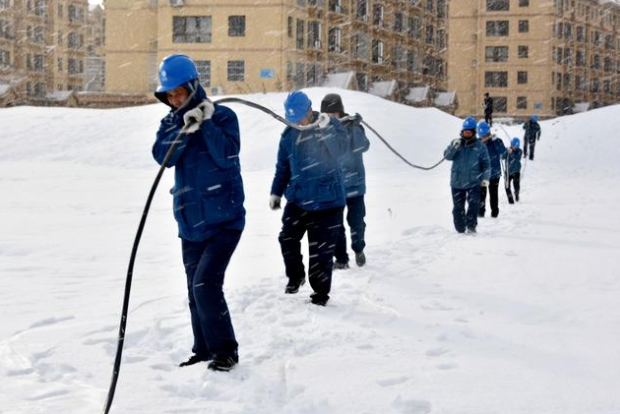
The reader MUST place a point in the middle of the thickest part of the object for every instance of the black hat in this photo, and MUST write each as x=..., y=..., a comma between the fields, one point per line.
x=332, y=104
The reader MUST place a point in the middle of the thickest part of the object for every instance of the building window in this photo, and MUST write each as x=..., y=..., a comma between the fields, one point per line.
x=500, y=104
x=39, y=35
x=497, y=53
x=236, y=26
x=60, y=38
x=300, y=34
x=204, y=72
x=581, y=34
x=595, y=62
x=314, y=35
x=521, y=102
x=413, y=62
x=398, y=22
x=290, y=71
x=378, y=15
x=335, y=6
x=497, y=28
x=5, y=29
x=359, y=46
x=39, y=63
x=73, y=41
x=39, y=90
x=361, y=12
x=73, y=67
x=236, y=70
x=523, y=52
x=289, y=26
x=59, y=60
x=522, y=77
x=430, y=34
x=300, y=75
x=60, y=11
x=496, y=79
x=524, y=3
x=75, y=14
x=524, y=26
x=334, y=39
x=378, y=52
x=39, y=8
x=581, y=58
x=414, y=27
x=498, y=5
x=5, y=58
x=191, y=29
x=5, y=4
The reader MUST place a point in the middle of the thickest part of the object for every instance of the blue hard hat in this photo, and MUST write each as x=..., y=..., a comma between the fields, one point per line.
x=174, y=71
x=296, y=106
x=483, y=129
x=535, y=118
x=515, y=142
x=469, y=123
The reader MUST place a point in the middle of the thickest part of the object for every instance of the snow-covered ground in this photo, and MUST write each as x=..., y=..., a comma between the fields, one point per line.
x=522, y=318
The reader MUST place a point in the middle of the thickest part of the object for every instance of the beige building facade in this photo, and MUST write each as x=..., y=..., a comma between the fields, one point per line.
x=244, y=46
x=544, y=57
x=42, y=47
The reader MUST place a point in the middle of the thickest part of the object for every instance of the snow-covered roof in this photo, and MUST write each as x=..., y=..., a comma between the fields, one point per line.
x=581, y=107
x=339, y=80
x=382, y=89
x=418, y=94
x=445, y=98
x=59, y=95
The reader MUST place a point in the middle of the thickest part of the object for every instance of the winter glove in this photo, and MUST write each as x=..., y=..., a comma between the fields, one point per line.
x=357, y=119
x=457, y=143
x=484, y=183
x=194, y=117
x=274, y=202
x=323, y=121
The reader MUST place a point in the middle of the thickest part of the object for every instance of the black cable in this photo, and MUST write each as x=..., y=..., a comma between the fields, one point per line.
x=132, y=260
x=345, y=119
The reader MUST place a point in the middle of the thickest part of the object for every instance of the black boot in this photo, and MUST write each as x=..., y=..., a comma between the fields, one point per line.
x=360, y=259
x=293, y=286
x=223, y=364
x=340, y=265
x=195, y=359
x=320, y=300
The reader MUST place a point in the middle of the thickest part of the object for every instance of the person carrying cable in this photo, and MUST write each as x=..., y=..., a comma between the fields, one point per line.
x=532, y=134
x=513, y=157
x=309, y=173
x=470, y=170
x=208, y=201
x=354, y=183
x=496, y=149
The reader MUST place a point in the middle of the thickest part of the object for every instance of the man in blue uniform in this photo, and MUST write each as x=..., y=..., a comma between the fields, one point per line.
x=208, y=202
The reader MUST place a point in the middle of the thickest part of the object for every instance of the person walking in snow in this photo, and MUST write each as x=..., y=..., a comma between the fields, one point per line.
x=309, y=173
x=513, y=157
x=208, y=203
x=496, y=149
x=470, y=170
x=354, y=184
x=532, y=134
x=488, y=109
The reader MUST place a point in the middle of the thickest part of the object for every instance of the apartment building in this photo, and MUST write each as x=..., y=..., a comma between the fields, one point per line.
x=94, y=63
x=243, y=46
x=545, y=57
x=41, y=46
